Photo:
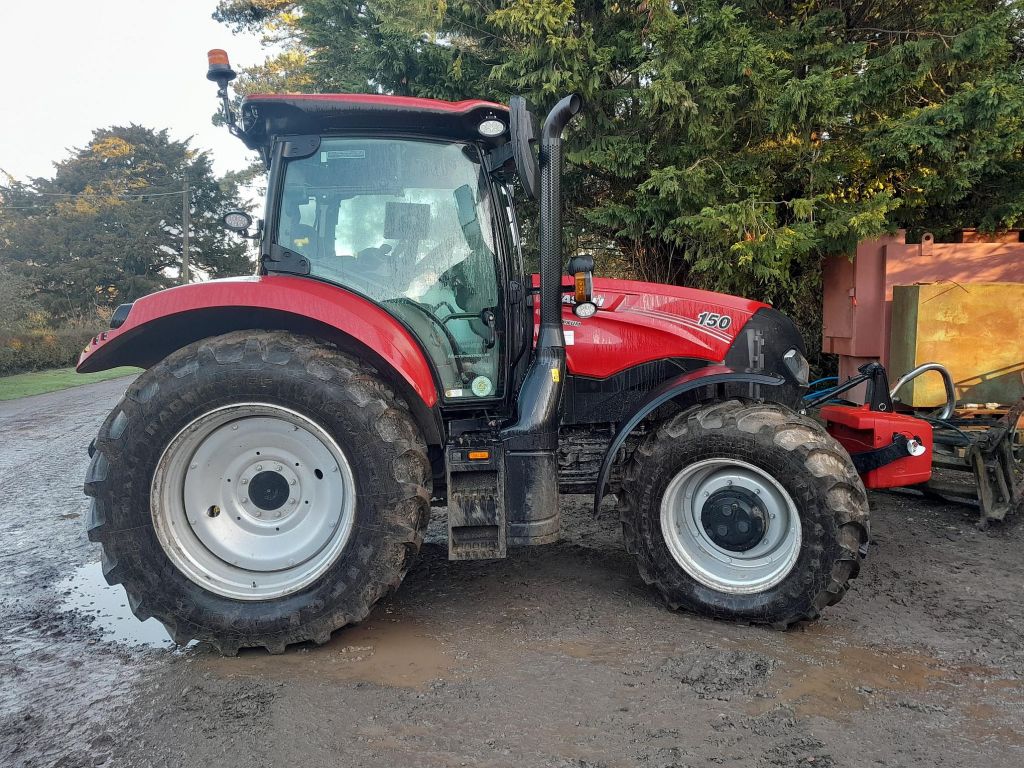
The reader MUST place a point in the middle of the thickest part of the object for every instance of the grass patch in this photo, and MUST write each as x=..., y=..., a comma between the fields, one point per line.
x=40, y=382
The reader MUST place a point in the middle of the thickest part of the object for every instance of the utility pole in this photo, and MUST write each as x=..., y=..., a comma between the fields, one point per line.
x=186, y=225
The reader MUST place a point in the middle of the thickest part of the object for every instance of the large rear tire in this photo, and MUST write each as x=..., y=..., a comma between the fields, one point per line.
x=745, y=511
x=258, y=489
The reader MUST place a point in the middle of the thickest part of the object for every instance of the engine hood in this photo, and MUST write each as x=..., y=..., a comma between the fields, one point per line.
x=639, y=322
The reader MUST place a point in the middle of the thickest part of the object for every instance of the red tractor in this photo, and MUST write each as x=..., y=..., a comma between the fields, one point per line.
x=268, y=478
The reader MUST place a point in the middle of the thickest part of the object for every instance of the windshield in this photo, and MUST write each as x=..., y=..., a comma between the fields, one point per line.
x=407, y=224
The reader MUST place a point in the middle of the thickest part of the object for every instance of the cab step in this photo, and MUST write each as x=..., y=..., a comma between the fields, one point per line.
x=476, y=502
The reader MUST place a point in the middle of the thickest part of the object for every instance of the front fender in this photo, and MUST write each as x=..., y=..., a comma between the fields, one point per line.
x=163, y=322
x=711, y=375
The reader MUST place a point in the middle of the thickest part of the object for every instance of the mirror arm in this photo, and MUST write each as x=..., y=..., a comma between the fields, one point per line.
x=497, y=160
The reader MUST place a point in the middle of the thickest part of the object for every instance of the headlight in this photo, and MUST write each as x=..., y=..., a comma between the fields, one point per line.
x=491, y=128
x=798, y=366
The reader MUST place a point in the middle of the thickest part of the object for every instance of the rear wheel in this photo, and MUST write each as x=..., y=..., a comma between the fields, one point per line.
x=745, y=511
x=258, y=489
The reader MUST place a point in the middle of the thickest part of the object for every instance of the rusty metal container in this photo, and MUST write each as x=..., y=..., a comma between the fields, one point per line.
x=858, y=291
x=976, y=330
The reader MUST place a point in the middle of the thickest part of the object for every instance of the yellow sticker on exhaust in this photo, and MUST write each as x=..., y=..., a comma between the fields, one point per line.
x=555, y=375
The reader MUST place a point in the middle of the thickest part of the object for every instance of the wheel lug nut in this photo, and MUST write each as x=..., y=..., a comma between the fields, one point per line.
x=294, y=481
x=245, y=481
x=279, y=468
x=259, y=467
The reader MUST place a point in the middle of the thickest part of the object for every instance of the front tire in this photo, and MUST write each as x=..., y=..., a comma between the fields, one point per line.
x=745, y=511
x=258, y=489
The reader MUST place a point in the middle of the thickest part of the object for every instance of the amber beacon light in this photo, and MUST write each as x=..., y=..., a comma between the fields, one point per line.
x=219, y=67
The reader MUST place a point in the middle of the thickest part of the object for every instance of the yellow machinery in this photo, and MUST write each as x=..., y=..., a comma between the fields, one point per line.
x=977, y=331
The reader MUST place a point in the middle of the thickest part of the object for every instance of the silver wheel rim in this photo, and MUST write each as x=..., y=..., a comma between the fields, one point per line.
x=738, y=572
x=253, y=501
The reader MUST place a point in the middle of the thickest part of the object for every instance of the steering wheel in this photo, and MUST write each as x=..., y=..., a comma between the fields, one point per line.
x=435, y=260
x=456, y=356
x=374, y=257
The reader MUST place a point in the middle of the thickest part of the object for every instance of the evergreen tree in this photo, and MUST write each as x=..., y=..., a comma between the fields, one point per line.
x=729, y=145
x=107, y=228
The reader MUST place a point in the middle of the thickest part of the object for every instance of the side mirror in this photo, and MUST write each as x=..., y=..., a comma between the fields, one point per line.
x=523, y=133
x=582, y=270
x=237, y=221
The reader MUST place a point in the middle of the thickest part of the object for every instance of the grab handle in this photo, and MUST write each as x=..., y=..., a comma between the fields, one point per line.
x=947, y=380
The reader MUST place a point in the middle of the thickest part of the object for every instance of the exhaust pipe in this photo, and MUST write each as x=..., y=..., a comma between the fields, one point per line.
x=540, y=395
x=551, y=221
x=531, y=443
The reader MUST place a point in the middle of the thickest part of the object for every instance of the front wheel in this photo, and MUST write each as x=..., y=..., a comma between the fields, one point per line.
x=745, y=511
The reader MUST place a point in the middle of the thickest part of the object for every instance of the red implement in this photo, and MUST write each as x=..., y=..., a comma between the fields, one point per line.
x=862, y=431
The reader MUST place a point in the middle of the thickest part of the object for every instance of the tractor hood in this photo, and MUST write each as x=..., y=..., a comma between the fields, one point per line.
x=641, y=322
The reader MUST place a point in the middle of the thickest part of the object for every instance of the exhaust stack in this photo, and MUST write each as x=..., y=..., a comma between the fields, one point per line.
x=531, y=444
x=551, y=221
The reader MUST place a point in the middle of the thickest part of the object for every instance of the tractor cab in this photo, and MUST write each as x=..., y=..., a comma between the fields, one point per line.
x=405, y=202
x=391, y=199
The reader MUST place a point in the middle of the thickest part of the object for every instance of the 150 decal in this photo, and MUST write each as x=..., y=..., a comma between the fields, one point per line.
x=714, y=320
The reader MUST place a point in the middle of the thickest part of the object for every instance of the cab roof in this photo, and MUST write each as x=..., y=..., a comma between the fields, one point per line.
x=265, y=116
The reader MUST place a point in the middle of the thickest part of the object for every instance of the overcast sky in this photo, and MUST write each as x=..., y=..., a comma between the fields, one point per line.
x=67, y=67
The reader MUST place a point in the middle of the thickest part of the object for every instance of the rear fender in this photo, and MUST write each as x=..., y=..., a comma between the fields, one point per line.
x=677, y=387
x=166, y=321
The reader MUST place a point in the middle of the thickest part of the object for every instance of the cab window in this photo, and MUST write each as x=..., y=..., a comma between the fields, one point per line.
x=407, y=224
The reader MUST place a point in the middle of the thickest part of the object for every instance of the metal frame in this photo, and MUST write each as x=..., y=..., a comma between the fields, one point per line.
x=981, y=442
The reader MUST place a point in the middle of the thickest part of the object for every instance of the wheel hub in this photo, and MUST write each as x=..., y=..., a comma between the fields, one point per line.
x=733, y=519
x=253, y=501
x=730, y=525
x=269, y=490
x=273, y=487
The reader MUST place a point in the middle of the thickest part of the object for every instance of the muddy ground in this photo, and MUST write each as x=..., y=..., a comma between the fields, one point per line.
x=558, y=656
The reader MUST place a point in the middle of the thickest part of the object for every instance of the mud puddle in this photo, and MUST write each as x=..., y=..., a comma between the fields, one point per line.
x=819, y=672
x=68, y=662
x=86, y=592
x=395, y=653
x=822, y=674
